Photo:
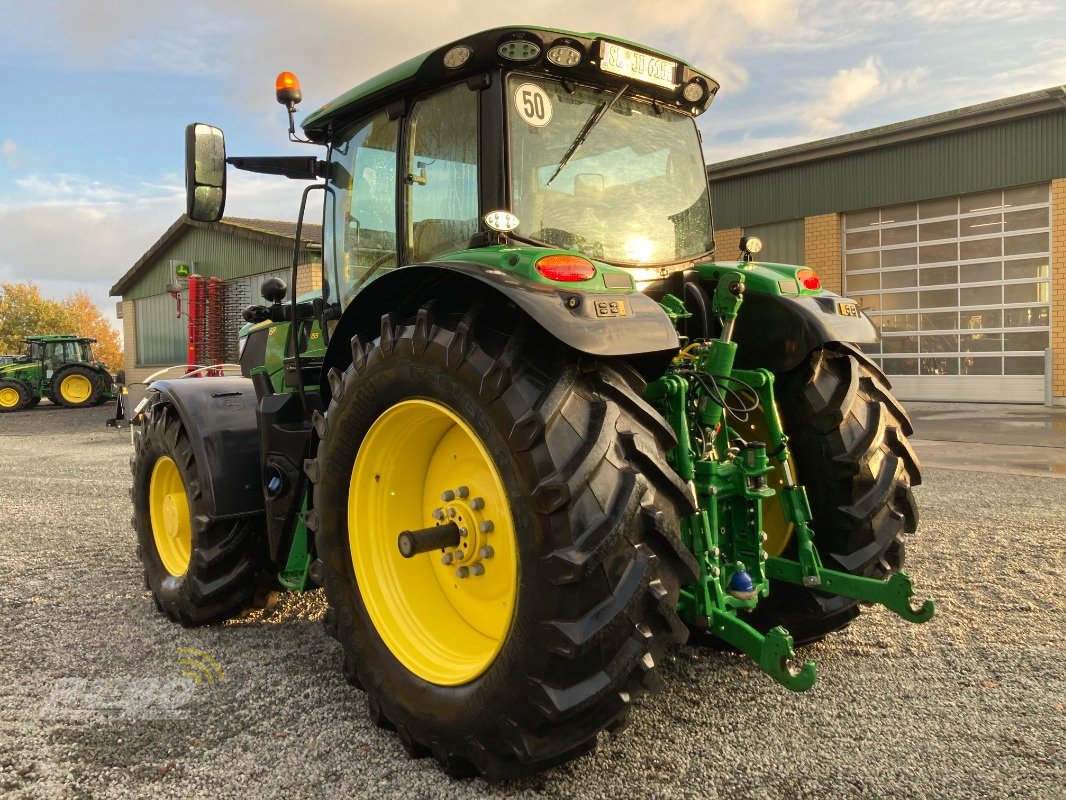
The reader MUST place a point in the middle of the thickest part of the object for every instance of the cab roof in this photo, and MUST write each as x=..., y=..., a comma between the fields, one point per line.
x=427, y=71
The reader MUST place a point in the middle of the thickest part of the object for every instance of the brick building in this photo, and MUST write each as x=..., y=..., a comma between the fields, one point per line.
x=950, y=231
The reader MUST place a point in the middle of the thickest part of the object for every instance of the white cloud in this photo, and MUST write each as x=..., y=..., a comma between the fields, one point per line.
x=70, y=232
x=953, y=11
x=852, y=88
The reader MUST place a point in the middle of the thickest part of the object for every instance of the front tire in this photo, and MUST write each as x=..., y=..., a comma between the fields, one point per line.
x=200, y=571
x=593, y=551
x=14, y=396
x=848, y=439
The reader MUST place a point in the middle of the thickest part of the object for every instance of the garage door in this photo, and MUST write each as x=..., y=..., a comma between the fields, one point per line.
x=960, y=289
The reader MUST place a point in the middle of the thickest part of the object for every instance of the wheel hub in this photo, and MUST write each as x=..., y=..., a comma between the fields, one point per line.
x=469, y=512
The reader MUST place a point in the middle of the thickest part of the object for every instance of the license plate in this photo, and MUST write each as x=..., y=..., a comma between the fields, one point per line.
x=628, y=63
x=611, y=308
x=848, y=309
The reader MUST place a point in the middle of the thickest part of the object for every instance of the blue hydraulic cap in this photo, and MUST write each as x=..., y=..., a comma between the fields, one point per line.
x=741, y=583
x=275, y=484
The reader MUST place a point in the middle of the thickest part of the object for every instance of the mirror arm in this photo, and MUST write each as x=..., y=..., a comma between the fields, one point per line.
x=300, y=168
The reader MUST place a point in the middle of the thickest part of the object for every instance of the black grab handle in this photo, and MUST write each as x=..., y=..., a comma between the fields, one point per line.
x=422, y=541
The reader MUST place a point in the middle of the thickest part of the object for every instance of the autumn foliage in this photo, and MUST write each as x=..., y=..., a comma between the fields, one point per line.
x=23, y=312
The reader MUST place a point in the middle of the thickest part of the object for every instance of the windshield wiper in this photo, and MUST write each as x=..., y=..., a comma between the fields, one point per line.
x=583, y=134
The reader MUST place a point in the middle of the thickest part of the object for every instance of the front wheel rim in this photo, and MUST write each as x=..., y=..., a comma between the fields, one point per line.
x=168, y=508
x=75, y=388
x=445, y=614
x=9, y=398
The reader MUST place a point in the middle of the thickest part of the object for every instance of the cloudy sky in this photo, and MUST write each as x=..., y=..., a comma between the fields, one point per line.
x=96, y=93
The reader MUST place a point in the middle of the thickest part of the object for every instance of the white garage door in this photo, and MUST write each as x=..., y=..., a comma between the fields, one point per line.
x=960, y=288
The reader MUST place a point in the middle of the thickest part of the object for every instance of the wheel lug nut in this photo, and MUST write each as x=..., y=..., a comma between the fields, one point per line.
x=438, y=513
x=462, y=572
x=477, y=504
x=451, y=511
x=477, y=569
x=486, y=551
x=463, y=532
x=447, y=495
x=446, y=559
x=486, y=526
x=463, y=492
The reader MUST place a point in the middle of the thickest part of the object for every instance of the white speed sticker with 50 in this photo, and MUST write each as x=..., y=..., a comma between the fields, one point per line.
x=533, y=105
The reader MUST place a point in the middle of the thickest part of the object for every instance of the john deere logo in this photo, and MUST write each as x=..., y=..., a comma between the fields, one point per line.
x=199, y=667
x=182, y=270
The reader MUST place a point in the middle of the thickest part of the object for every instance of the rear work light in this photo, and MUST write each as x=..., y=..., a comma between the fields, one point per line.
x=566, y=268
x=808, y=279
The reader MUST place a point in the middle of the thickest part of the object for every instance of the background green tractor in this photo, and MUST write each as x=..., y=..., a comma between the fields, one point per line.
x=530, y=432
x=61, y=368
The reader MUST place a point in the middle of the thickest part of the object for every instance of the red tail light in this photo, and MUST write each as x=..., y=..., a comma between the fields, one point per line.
x=566, y=268
x=808, y=279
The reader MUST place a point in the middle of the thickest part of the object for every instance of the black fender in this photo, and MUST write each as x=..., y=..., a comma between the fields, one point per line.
x=778, y=332
x=220, y=417
x=645, y=336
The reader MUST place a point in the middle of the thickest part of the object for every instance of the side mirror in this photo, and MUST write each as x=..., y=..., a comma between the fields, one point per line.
x=205, y=172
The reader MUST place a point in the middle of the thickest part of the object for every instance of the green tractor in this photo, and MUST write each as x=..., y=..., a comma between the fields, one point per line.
x=61, y=368
x=530, y=432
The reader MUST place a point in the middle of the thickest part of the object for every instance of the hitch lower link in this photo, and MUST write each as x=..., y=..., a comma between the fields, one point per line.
x=728, y=480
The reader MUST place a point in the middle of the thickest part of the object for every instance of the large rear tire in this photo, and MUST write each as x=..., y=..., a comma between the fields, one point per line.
x=571, y=465
x=200, y=571
x=77, y=387
x=848, y=438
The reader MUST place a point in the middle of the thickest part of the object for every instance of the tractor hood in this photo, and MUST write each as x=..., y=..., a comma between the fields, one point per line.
x=16, y=369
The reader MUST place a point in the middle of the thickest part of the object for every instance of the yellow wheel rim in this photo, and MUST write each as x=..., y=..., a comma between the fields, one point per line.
x=75, y=388
x=169, y=510
x=419, y=458
x=9, y=398
x=778, y=530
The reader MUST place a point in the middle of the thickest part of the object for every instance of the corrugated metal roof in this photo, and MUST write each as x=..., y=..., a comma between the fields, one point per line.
x=978, y=152
x=1007, y=108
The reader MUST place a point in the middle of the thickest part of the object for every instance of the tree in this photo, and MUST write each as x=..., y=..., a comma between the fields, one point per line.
x=23, y=312
x=84, y=316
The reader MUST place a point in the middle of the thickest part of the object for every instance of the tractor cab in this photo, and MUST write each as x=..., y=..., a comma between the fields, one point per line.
x=55, y=352
x=562, y=159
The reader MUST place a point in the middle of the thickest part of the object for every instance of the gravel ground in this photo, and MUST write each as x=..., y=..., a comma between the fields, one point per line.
x=93, y=703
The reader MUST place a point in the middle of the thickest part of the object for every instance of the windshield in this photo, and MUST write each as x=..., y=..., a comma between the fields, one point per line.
x=633, y=192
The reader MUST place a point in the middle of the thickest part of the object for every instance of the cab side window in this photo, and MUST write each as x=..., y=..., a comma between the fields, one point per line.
x=361, y=242
x=442, y=173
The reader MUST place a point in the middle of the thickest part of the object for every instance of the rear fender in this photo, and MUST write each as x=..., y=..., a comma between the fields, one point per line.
x=220, y=417
x=645, y=336
x=781, y=323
